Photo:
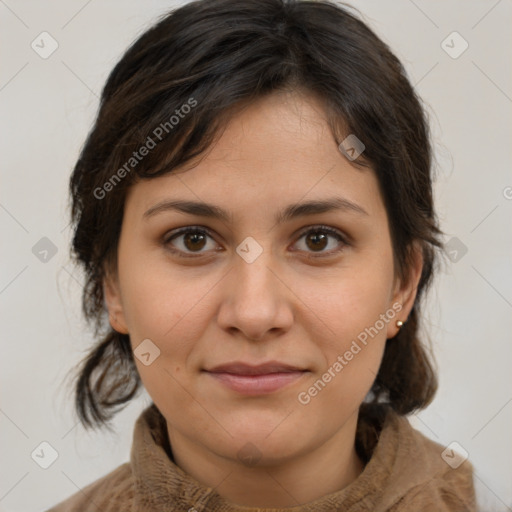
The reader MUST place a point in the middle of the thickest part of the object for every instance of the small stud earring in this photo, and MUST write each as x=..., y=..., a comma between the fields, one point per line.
x=399, y=324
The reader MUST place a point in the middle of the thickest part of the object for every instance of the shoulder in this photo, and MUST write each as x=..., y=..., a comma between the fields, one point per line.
x=110, y=493
x=443, y=479
x=450, y=490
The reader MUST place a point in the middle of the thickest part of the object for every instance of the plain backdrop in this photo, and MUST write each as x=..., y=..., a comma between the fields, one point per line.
x=47, y=107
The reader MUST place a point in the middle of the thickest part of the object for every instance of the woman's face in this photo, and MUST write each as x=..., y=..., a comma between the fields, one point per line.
x=264, y=284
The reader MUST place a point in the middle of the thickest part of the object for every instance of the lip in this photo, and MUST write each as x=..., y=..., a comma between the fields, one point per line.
x=241, y=368
x=256, y=380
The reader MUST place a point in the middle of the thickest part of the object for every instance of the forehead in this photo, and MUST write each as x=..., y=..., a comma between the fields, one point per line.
x=276, y=150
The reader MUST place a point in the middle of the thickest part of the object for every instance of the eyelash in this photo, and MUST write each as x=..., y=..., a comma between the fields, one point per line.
x=204, y=231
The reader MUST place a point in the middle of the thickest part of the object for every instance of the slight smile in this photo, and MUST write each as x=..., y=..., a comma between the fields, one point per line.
x=256, y=380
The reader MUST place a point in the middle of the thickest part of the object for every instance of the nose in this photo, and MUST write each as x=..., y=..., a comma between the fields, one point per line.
x=257, y=302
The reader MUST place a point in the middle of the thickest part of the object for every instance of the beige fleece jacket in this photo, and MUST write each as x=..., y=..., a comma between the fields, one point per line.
x=405, y=473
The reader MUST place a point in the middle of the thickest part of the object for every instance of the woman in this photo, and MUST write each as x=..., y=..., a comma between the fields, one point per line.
x=253, y=210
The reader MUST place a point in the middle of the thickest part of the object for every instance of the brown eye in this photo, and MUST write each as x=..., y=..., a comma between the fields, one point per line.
x=189, y=241
x=319, y=238
x=194, y=241
x=316, y=240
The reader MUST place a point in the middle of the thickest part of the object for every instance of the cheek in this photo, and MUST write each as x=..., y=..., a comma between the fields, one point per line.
x=159, y=298
x=351, y=302
x=169, y=309
x=352, y=313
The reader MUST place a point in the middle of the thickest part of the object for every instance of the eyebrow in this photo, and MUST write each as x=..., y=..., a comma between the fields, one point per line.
x=290, y=212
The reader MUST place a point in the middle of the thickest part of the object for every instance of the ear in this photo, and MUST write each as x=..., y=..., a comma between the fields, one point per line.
x=406, y=290
x=114, y=303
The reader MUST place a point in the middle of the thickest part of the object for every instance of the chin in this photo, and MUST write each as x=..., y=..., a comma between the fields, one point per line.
x=265, y=446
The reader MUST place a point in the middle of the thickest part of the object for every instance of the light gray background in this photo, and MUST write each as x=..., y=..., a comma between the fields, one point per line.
x=47, y=107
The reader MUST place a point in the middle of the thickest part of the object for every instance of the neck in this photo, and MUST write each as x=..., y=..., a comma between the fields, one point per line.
x=322, y=470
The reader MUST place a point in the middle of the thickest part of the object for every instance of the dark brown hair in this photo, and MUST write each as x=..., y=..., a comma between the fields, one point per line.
x=214, y=56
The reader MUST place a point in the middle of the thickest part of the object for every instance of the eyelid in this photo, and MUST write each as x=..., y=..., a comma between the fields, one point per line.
x=170, y=235
x=334, y=232
x=328, y=229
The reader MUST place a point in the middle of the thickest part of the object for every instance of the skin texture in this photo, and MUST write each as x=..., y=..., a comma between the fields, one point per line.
x=217, y=308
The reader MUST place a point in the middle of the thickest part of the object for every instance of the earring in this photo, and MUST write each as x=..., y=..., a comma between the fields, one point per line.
x=399, y=324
